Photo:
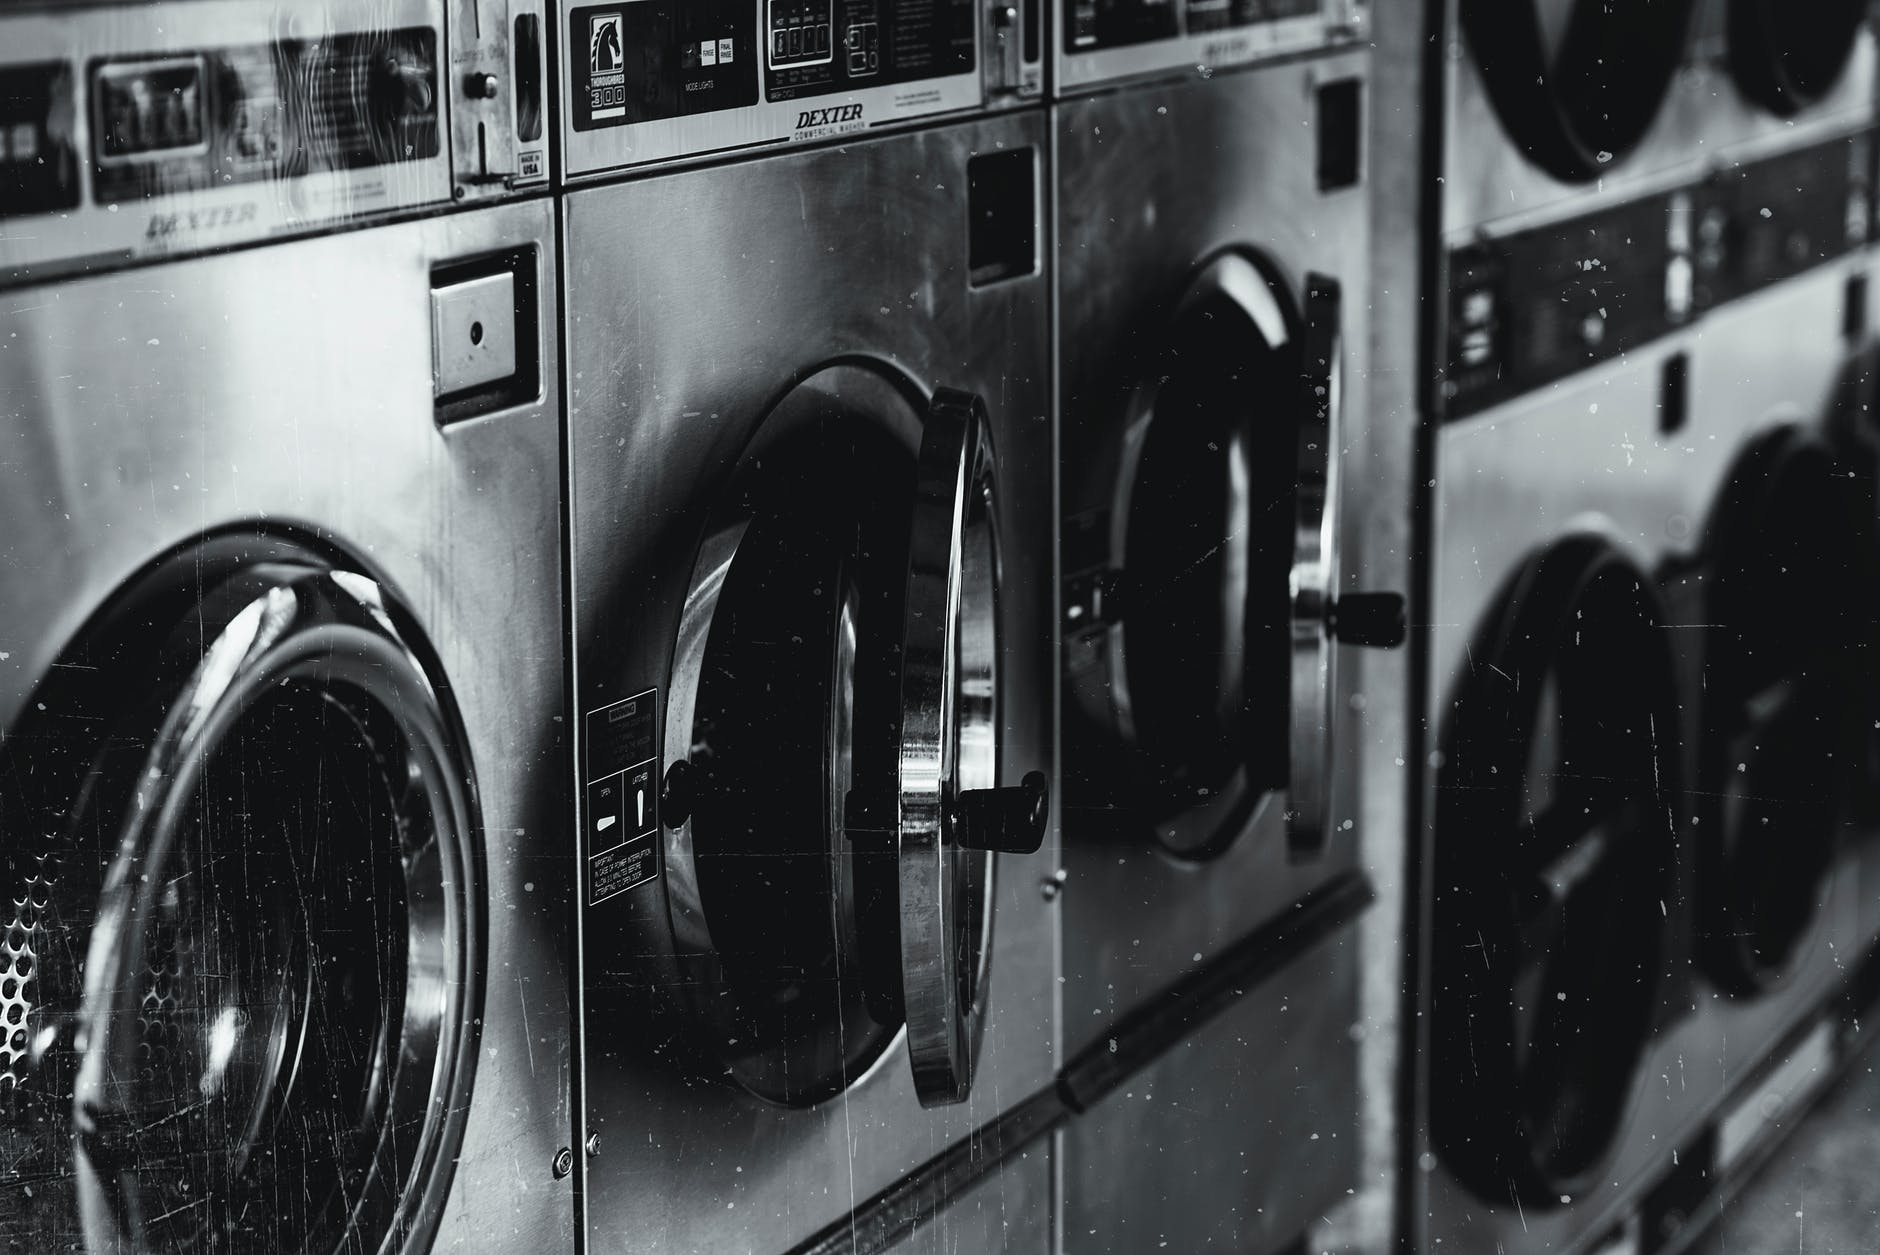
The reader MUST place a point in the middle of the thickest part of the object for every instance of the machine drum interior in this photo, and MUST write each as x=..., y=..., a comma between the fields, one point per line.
x=235, y=984
x=1206, y=610
x=798, y=651
x=1577, y=83
x=1781, y=650
x=1786, y=57
x=1554, y=856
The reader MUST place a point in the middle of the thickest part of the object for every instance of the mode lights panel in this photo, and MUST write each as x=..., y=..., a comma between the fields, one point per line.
x=650, y=81
x=1102, y=41
x=1527, y=309
x=124, y=137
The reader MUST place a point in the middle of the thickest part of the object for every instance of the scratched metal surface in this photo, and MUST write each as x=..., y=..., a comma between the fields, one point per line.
x=203, y=412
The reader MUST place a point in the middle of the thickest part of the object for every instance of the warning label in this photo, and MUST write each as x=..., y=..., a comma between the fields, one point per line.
x=618, y=870
x=620, y=812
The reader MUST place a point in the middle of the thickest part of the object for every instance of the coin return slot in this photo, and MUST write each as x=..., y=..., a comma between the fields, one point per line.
x=484, y=335
x=1002, y=212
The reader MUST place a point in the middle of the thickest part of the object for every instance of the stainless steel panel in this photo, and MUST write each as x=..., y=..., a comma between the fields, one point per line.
x=148, y=407
x=1587, y=455
x=694, y=302
x=1010, y=1212
x=1241, y=1138
x=1150, y=183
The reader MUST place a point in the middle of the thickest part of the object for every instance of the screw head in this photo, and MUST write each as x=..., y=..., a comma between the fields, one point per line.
x=593, y=1145
x=564, y=1163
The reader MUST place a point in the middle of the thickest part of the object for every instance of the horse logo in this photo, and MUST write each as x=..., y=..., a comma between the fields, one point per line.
x=604, y=44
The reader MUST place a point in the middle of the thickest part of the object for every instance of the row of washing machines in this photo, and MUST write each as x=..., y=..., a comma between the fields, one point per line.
x=1223, y=626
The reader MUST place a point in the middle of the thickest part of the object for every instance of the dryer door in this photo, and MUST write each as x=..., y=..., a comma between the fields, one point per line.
x=1577, y=83
x=1554, y=858
x=242, y=976
x=1788, y=56
x=1784, y=641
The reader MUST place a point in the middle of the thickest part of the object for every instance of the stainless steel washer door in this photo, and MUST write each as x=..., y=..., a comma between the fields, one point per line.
x=241, y=983
x=835, y=690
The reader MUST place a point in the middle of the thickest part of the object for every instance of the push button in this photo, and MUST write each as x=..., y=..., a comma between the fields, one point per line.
x=473, y=333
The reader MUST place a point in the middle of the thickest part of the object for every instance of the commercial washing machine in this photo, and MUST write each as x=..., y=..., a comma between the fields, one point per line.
x=1212, y=244
x=658, y=81
x=1635, y=899
x=809, y=460
x=284, y=896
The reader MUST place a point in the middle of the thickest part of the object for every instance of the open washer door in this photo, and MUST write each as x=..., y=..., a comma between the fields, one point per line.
x=1577, y=83
x=243, y=970
x=1217, y=603
x=1554, y=856
x=833, y=790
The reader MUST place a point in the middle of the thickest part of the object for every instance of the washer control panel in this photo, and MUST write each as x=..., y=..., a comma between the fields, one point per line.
x=138, y=131
x=1531, y=307
x=655, y=81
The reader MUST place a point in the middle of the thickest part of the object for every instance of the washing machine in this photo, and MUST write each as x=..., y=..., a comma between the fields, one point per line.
x=651, y=82
x=286, y=948
x=810, y=475
x=286, y=904
x=1212, y=244
x=1635, y=901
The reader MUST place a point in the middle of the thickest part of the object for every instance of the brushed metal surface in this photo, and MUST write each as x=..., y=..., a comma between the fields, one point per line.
x=695, y=301
x=1240, y=1138
x=1150, y=182
x=1586, y=454
x=1704, y=123
x=147, y=407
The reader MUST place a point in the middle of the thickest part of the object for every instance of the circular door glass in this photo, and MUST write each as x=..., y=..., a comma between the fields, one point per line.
x=242, y=959
x=1207, y=557
x=1554, y=857
x=791, y=654
x=1788, y=56
x=1780, y=651
x=1576, y=83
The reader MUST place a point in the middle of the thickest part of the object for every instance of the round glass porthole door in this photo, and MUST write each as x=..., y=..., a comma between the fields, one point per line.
x=243, y=962
x=1217, y=611
x=1577, y=83
x=1554, y=854
x=1782, y=645
x=836, y=713
x=1786, y=57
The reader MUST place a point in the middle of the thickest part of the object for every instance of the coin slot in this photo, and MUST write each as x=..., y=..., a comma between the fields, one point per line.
x=1002, y=214
x=528, y=45
x=1340, y=110
x=1674, y=393
x=485, y=335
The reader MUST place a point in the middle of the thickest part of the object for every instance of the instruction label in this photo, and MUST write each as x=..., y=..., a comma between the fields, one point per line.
x=621, y=816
